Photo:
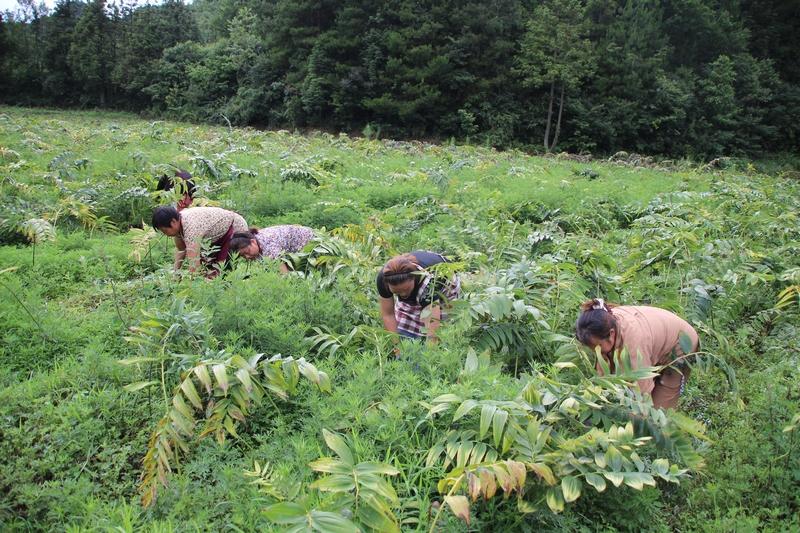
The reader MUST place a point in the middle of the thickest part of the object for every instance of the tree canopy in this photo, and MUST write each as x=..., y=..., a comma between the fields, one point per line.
x=678, y=78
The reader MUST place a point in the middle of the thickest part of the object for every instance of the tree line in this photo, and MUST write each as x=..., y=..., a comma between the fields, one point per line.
x=696, y=78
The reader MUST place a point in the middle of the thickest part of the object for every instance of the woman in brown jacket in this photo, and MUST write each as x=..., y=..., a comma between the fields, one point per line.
x=649, y=333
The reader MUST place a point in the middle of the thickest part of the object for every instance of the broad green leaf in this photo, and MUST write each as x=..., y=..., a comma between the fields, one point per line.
x=660, y=466
x=285, y=513
x=614, y=458
x=555, y=499
x=487, y=412
x=600, y=460
x=222, y=377
x=376, y=468
x=180, y=405
x=201, y=371
x=324, y=383
x=464, y=408
x=335, y=483
x=544, y=472
x=596, y=481
x=180, y=422
x=139, y=385
x=638, y=480
x=191, y=393
x=498, y=423
x=377, y=519
x=446, y=398
x=379, y=486
x=336, y=443
x=329, y=465
x=244, y=378
x=230, y=426
x=614, y=477
x=571, y=488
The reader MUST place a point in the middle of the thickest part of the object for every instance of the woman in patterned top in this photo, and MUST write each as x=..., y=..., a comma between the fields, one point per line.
x=649, y=334
x=271, y=242
x=406, y=287
x=197, y=226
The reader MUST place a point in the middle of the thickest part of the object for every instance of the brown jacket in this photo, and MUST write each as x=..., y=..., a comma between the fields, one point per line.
x=653, y=334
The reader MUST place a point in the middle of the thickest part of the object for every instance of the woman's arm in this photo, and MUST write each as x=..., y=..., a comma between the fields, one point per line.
x=432, y=321
x=180, y=253
x=193, y=256
x=387, y=314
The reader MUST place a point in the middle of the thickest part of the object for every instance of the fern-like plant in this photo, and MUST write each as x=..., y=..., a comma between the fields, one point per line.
x=141, y=240
x=553, y=438
x=37, y=230
x=361, y=486
x=214, y=398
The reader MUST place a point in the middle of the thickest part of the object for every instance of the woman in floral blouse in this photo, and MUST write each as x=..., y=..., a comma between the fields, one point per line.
x=195, y=227
x=271, y=242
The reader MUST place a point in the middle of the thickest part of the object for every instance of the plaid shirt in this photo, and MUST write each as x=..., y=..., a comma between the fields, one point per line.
x=409, y=314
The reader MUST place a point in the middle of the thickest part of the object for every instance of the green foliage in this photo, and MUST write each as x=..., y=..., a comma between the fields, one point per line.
x=512, y=437
x=227, y=402
x=530, y=239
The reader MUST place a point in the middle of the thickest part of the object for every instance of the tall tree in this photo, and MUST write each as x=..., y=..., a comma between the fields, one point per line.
x=556, y=52
x=91, y=53
x=142, y=36
x=59, y=81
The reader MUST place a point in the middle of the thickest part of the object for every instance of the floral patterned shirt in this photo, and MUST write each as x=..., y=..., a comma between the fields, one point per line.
x=209, y=223
x=276, y=240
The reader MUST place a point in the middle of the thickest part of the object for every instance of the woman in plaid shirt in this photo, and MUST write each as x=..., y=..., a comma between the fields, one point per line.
x=406, y=287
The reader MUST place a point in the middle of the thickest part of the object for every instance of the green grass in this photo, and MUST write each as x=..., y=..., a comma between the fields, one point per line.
x=72, y=439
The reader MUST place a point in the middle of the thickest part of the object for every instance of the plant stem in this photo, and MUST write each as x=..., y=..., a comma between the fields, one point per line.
x=28, y=311
x=439, y=511
x=164, y=383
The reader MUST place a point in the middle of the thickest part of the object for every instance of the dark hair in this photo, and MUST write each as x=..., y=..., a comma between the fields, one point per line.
x=241, y=239
x=166, y=183
x=164, y=215
x=595, y=321
x=399, y=269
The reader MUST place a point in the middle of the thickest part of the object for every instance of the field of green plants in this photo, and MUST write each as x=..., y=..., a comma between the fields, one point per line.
x=135, y=399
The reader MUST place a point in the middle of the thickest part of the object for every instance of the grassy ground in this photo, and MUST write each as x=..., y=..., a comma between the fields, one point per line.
x=716, y=245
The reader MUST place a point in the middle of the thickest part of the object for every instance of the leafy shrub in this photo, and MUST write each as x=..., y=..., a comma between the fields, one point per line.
x=277, y=201
x=330, y=216
x=388, y=196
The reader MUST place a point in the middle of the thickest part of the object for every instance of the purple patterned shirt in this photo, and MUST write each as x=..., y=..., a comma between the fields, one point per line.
x=276, y=240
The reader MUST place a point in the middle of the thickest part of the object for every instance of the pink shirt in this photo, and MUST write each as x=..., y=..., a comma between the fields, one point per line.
x=653, y=334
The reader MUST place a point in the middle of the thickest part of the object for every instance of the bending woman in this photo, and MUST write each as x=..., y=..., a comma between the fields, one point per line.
x=271, y=242
x=649, y=332
x=197, y=226
x=406, y=288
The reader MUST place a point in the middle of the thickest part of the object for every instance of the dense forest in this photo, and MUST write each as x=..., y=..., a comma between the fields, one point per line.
x=679, y=78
